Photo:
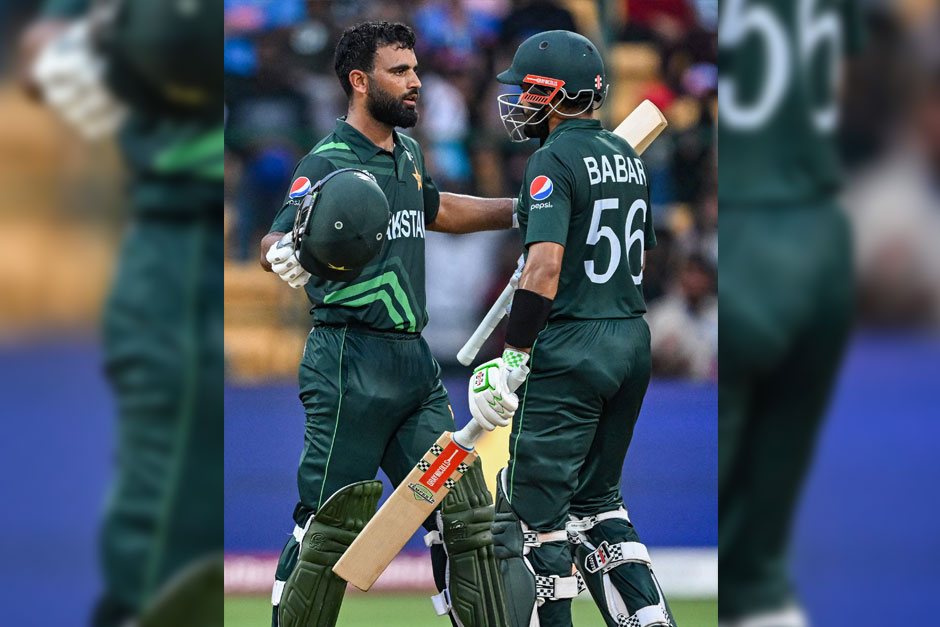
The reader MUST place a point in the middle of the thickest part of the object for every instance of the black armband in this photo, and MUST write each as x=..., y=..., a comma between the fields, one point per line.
x=527, y=317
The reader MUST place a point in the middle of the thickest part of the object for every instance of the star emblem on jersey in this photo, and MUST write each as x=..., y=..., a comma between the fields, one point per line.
x=540, y=188
x=597, y=81
x=299, y=187
x=417, y=176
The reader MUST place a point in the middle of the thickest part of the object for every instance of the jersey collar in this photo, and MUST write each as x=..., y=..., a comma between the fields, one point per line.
x=361, y=145
x=574, y=123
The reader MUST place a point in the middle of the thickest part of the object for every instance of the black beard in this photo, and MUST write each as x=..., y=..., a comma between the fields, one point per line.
x=389, y=109
x=536, y=131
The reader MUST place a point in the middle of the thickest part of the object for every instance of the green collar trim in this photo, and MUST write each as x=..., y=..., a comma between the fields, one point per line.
x=361, y=145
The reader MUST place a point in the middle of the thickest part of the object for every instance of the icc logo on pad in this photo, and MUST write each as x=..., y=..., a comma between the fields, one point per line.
x=540, y=188
x=300, y=187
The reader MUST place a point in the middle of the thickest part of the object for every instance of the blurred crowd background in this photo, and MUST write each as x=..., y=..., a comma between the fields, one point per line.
x=282, y=96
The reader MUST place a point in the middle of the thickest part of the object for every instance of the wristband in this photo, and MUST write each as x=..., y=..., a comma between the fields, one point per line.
x=515, y=213
x=528, y=316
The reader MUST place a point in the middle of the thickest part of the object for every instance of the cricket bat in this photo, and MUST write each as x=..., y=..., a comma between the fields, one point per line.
x=640, y=128
x=409, y=505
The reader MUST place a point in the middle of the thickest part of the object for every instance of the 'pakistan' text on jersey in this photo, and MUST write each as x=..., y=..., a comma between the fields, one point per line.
x=780, y=63
x=587, y=190
x=389, y=295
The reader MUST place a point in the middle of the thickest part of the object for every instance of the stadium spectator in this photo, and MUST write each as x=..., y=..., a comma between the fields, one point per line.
x=684, y=324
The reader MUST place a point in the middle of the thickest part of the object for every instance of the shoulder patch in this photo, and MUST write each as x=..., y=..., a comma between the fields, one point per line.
x=540, y=188
x=299, y=187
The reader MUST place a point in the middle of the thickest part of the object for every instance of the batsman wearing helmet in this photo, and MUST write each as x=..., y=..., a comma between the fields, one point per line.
x=151, y=71
x=577, y=325
x=351, y=231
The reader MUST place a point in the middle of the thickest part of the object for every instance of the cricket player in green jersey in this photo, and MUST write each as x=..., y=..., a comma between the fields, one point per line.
x=370, y=388
x=151, y=70
x=577, y=325
x=785, y=282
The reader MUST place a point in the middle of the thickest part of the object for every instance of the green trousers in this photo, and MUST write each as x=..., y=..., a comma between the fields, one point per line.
x=163, y=341
x=576, y=415
x=372, y=400
x=785, y=286
x=570, y=435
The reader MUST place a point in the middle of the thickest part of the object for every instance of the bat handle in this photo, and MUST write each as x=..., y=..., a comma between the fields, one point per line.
x=469, y=434
x=492, y=318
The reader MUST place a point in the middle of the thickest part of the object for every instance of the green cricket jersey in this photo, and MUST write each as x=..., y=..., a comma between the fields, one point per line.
x=389, y=295
x=177, y=163
x=779, y=64
x=587, y=190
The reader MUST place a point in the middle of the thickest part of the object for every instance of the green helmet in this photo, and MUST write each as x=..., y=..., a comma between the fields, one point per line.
x=340, y=225
x=163, y=56
x=556, y=61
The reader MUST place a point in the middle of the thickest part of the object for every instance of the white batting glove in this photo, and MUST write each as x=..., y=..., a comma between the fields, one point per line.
x=491, y=392
x=283, y=259
x=70, y=76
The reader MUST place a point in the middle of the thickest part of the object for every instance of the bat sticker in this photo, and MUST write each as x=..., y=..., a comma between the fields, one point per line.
x=421, y=493
x=443, y=466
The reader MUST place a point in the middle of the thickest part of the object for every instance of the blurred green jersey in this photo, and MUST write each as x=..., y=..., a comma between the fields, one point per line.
x=587, y=190
x=778, y=102
x=176, y=161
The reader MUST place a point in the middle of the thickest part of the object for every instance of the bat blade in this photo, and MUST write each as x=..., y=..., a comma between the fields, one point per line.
x=409, y=505
x=642, y=126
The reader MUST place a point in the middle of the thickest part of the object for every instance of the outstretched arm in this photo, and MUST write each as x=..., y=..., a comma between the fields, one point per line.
x=468, y=214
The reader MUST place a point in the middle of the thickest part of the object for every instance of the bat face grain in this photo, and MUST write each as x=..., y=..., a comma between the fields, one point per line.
x=410, y=504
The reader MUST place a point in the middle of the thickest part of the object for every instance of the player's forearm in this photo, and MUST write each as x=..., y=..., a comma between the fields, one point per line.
x=267, y=242
x=468, y=214
x=542, y=269
x=532, y=302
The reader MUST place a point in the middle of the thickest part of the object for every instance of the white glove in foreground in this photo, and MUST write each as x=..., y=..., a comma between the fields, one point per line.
x=71, y=78
x=284, y=263
x=492, y=388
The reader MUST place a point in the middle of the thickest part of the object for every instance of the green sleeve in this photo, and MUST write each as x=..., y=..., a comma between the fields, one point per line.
x=312, y=168
x=432, y=196
x=549, y=212
x=64, y=8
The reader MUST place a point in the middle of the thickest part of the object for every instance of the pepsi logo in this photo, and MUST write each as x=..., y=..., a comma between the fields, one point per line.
x=300, y=187
x=540, y=188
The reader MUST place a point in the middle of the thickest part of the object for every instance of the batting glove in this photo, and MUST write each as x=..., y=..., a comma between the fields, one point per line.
x=492, y=387
x=70, y=76
x=284, y=262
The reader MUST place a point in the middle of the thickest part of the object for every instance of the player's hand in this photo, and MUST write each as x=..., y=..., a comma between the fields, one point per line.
x=69, y=75
x=283, y=259
x=492, y=388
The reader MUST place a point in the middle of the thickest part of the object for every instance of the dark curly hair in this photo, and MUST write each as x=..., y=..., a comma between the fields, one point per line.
x=356, y=48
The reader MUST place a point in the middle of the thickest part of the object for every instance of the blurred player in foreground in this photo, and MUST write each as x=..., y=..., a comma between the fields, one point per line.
x=152, y=70
x=371, y=390
x=785, y=285
x=577, y=323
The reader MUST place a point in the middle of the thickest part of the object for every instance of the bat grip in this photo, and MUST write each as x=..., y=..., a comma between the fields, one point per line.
x=486, y=327
x=469, y=434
